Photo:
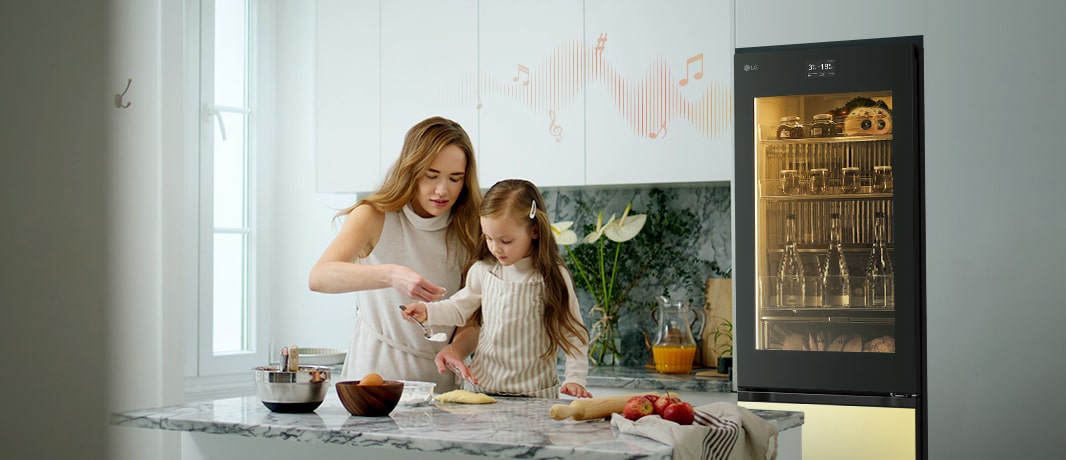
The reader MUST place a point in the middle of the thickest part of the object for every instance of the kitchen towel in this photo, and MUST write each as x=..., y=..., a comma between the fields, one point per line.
x=721, y=431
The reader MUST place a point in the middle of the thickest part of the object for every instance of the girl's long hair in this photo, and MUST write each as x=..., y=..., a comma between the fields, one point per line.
x=420, y=147
x=513, y=199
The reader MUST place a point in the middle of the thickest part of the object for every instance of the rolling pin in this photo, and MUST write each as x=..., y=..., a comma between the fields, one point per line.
x=591, y=408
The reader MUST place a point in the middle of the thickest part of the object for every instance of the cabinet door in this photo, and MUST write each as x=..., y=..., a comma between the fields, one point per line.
x=347, y=85
x=659, y=98
x=531, y=90
x=428, y=68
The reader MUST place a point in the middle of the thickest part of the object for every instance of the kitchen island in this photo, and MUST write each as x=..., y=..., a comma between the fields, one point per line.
x=242, y=427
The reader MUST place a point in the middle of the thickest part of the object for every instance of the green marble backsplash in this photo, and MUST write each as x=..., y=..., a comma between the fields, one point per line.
x=710, y=203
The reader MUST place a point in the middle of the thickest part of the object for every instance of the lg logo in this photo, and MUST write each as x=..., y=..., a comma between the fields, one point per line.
x=751, y=67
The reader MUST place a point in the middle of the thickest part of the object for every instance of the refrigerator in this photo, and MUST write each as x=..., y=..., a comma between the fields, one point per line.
x=829, y=265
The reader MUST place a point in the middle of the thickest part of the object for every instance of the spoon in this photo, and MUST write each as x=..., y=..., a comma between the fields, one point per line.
x=438, y=337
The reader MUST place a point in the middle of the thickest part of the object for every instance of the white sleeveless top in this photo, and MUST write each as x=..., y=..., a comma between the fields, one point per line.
x=383, y=342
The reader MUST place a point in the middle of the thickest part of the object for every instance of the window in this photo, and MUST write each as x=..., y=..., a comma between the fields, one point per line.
x=228, y=329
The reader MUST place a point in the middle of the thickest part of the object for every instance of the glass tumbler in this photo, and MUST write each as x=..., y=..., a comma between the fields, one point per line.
x=850, y=182
x=819, y=181
x=882, y=179
x=790, y=182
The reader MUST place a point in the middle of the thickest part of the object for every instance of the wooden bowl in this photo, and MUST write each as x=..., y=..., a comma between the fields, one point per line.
x=369, y=400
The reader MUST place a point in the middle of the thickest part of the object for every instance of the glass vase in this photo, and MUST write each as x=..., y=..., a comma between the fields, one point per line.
x=604, y=340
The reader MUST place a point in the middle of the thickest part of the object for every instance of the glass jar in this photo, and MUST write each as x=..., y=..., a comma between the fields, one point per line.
x=674, y=349
x=790, y=128
x=822, y=126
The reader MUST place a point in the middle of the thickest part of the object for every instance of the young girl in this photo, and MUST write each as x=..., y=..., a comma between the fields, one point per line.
x=528, y=308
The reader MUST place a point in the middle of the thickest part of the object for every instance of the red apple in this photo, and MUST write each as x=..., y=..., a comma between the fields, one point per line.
x=652, y=398
x=680, y=412
x=665, y=400
x=637, y=407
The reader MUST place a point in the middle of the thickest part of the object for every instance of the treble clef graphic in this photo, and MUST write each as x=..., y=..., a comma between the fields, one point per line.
x=555, y=129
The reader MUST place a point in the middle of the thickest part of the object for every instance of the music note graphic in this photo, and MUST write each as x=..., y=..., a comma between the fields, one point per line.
x=601, y=43
x=660, y=134
x=479, y=105
x=555, y=129
x=522, y=70
x=696, y=76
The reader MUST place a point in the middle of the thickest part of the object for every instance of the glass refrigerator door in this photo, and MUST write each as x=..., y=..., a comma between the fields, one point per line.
x=823, y=223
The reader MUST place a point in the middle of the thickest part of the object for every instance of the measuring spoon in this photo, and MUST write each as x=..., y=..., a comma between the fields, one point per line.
x=438, y=337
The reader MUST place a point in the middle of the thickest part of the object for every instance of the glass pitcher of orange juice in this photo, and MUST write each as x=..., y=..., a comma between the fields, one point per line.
x=674, y=348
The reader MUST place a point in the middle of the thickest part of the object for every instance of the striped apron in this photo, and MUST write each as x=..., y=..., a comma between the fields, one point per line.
x=507, y=359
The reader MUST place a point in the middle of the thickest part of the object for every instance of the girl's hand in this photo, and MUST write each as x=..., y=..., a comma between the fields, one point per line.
x=416, y=311
x=575, y=390
x=411, y=284
x=447, y=360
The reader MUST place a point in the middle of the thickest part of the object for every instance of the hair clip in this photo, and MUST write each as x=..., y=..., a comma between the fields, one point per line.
x=533, y=210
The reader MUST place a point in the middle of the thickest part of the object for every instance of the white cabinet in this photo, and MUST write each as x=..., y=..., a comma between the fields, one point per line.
x=659, y=95
x=600, y=92
x=531, y=88
x=347, y=87
x=428, y=68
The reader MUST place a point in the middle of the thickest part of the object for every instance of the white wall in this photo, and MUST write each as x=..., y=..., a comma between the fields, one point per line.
x=302, y=224
x=146, y=199
x=994, y=168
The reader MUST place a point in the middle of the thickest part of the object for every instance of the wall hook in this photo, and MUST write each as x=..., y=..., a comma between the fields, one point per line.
x=118, y=97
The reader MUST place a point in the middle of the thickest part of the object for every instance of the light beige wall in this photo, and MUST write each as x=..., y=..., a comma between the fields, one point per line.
x=994, y=161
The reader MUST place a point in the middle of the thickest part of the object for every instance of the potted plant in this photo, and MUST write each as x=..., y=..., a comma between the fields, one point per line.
x=723, y=345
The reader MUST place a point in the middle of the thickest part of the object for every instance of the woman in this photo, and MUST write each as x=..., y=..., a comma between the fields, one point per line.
x=412, y=239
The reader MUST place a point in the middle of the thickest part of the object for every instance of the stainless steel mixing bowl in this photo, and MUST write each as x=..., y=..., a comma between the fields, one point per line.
x=292, y=392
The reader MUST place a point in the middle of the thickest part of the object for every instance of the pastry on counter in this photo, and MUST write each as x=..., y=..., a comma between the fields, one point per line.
x=465, y=397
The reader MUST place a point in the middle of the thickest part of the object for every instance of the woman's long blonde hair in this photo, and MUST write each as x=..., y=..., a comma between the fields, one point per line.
x=421, y=145
x=514, y=199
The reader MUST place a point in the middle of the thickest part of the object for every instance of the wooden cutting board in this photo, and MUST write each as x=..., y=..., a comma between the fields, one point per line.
x=718, y=306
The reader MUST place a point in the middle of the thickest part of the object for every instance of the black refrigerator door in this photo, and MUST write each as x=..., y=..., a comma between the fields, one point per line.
x=811, y=347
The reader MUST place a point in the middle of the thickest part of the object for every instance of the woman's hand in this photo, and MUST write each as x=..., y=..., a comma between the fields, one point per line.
x=412, y=285
x=575, y=390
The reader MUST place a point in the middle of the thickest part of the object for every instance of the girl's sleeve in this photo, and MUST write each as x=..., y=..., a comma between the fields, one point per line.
x=577, y=367
x=457, y=309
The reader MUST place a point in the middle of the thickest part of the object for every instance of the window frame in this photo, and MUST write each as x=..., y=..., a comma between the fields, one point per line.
x=200, y=358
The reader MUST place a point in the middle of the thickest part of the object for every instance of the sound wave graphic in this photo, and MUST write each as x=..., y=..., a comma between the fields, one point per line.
x=649, y=105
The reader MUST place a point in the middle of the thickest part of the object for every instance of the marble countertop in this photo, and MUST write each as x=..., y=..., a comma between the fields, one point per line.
x=512, y=427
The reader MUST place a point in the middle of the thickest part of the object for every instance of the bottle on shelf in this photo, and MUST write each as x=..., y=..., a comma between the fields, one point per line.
x=836, y=284
x=879, y=285
x=790, y=288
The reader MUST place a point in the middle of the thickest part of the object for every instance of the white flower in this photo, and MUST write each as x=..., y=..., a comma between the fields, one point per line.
x=624, y=230
x=563, y=234
x=595, y=235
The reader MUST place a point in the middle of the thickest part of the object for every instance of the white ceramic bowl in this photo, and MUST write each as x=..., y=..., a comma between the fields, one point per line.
x=416, y=392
